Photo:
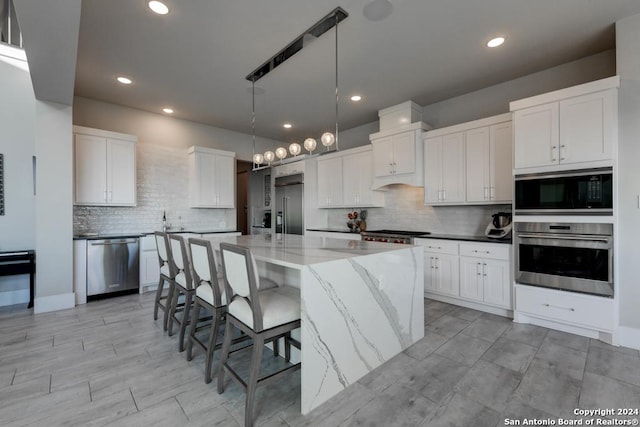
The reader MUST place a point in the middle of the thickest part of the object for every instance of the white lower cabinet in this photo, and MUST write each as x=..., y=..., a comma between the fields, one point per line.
x=149, y=264
x=468, y=271
x=568, y=308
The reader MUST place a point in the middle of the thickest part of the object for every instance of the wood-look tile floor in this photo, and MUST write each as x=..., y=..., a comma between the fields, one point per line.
x=110, y=363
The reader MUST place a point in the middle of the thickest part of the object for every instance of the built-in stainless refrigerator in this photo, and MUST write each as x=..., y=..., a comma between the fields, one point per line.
x=289, y=204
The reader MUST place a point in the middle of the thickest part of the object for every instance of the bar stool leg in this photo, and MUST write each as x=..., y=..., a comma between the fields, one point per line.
x=192, y=329
x=185, y=320
x=254, y=372
x=213, y=338
x=168, y=305
x=174, y=306
x=224, y=355
x=158, y=296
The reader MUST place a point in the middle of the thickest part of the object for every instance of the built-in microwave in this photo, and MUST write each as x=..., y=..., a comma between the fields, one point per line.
x=575, y=192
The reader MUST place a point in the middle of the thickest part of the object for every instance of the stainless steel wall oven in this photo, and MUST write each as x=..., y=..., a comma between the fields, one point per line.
x=572, y=257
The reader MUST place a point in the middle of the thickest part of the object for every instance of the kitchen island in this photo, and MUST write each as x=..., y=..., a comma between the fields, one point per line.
x=361, y=304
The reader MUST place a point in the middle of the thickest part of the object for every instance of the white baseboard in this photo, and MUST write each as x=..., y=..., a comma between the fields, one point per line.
x=629, y=337
x=21, y=296
x=54, y=303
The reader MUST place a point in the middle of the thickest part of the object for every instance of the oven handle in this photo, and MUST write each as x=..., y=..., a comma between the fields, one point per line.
x=564, y=237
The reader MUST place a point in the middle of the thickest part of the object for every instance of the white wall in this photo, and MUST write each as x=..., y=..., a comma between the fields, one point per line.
x=157, y=129
x=53, y=220
x=628, y=254
x=17, y=116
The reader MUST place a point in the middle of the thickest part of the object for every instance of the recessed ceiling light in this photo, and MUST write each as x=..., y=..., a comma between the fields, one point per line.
x=356, y=98
x=287, y=126
x=158, y=7
x=377, y=10
x=124, y=80
x=168, y=110
x=495, y=42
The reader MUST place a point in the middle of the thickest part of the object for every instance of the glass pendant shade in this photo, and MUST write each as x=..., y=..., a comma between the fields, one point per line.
x=295, y=149
x=269, y=156
x=281, y=153
x=327, y=139
x=310, y=144
x=258, y=158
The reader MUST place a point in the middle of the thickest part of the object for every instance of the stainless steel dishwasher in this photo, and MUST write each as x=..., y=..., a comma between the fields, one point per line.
x=112, y=265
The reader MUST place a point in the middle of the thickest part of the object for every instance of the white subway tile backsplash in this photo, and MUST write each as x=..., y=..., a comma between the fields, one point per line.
x=405, y=210
x=162, y=185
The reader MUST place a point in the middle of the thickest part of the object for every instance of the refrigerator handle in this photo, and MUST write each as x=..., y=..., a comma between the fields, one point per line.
x=285, y=215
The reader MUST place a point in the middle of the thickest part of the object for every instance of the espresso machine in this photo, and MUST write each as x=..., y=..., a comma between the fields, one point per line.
x=500, y=226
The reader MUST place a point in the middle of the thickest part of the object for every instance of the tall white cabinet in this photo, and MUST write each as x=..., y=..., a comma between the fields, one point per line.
x=104, y=167
x=211, y=178
x=573, y=127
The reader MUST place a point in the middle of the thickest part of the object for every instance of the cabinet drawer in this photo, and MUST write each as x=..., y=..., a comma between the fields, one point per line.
x=569, y=307
x=491, y=250
x=438, y=246
x=148, y=243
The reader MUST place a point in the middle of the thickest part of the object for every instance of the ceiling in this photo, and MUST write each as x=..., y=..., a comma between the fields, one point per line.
x=195, y=59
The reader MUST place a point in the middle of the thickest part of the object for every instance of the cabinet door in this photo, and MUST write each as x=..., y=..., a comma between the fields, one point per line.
x=90, y=169
x=452, y=165
x=447, y=274
x=225, y=178
x=383, y=156
x=536, y=136
x=500, y=163
x=121, y=172
x=471, y=275
x=478, y=165
x=497, y=286
x=205, y=176
x=330, y=182
x=357, y=172
x=149, y=268
x=404, y=153
x=586, y=127
x=432, y=169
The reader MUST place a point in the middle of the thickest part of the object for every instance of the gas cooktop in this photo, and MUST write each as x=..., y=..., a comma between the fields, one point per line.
x=392, y=236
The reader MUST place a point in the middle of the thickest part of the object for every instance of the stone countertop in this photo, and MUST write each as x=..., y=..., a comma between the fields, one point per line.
x=294, y=251
x=101, y=236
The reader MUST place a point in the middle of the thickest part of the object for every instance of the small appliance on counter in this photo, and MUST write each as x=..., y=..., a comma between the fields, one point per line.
x=500, y=226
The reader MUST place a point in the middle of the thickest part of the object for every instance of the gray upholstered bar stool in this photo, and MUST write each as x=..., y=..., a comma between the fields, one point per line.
x=163, y=302
x=209, y=294
x=263, y=315
x=183, y=285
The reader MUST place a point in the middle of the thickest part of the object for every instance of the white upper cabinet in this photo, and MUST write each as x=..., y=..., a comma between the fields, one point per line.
x=444, y=166
x=105, y=168
x=330, y=182
x=469, y=163
x=291, y=168
x=345, y=179
x=397, y=156
x=575, y=126
x=211, y=178
x=488, y=164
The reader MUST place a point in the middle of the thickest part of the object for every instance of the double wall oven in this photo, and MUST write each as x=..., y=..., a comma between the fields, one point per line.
x=572, y=257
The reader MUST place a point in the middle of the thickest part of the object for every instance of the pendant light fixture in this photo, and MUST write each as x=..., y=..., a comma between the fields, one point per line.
x=328, y=139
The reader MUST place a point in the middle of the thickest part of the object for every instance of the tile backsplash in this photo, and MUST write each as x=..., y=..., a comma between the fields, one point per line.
x=405, y=210
x=162, y=185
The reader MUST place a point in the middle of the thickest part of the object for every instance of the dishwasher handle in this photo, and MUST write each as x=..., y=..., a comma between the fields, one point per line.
x=114, y=243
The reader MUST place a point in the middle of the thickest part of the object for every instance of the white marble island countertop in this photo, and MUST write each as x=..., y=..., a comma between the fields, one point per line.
x=295, y=251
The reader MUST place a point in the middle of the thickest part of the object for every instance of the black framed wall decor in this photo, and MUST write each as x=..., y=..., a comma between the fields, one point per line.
x=1, y=184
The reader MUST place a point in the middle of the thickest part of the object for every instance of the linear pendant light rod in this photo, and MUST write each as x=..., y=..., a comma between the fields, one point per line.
x=336, y=134
x=322, y=26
